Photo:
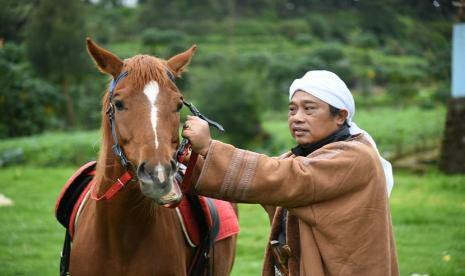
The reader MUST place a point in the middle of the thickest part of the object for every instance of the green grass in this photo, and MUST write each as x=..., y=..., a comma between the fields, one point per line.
x=429, y=219
x=30, y=237
x=428, y=213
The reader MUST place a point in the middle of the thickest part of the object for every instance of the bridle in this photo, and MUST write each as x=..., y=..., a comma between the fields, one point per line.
x=180, y=154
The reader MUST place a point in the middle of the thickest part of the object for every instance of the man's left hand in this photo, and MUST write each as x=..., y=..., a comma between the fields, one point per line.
x=198, y=133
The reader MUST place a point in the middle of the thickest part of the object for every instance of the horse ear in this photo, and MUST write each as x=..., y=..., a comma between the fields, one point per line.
x=106, y=61
x=179, y=62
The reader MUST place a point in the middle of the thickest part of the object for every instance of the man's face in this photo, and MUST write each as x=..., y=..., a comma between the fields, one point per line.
x=309, y=118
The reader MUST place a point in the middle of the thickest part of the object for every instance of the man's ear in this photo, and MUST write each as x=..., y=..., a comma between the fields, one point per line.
x=342, y=117
x=179, y=62
x=106, y=61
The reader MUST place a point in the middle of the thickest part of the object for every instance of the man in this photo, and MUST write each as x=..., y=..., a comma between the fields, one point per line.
x=332, y=188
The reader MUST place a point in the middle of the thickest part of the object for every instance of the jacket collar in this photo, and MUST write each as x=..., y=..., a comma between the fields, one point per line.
x=340, y=135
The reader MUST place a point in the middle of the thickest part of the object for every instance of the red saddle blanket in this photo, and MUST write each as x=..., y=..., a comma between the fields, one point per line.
x=75, y=193
x=228, y=223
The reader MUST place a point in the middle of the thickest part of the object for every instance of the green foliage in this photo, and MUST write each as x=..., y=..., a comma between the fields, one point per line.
x=369, y=45
x=111, y=23
x=378, y=18
x=319, y=26
x=361, y=39
x=27, y=104
x=232, y=100
x=88, y=102
x=55, y=46
x=154, y=36
x=164, y=43
x=55, y=38
x=248, y=27
x=13, y=15
x=292, y=28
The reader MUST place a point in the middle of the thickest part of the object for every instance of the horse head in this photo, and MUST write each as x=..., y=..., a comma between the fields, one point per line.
x=145, y=108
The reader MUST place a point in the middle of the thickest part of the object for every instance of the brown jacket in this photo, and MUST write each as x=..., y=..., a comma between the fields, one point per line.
x=339, y=221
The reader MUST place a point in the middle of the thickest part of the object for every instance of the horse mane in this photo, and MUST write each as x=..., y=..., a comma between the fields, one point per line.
x=141, y=69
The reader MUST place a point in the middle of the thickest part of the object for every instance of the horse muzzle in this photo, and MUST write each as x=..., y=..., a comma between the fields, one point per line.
x=158, y=182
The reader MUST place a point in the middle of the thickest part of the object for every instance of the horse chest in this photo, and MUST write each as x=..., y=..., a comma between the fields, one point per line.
x=127, y=247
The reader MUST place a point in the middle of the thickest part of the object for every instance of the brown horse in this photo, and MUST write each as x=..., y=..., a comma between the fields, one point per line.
x=132, y=234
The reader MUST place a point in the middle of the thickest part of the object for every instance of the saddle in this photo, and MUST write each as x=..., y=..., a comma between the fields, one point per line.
x=72, y=195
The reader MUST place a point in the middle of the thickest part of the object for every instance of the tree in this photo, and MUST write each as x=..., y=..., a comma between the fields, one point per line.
x=55, y=45
x=27, y=104
x=13, y=15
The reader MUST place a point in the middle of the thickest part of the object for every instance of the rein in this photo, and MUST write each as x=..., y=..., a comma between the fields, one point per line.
x=180, y=155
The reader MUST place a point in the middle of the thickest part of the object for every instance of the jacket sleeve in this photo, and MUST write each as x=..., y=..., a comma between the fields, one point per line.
x=243, y=176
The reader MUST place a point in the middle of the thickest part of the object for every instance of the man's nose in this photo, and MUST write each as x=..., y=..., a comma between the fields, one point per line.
x=298, y=116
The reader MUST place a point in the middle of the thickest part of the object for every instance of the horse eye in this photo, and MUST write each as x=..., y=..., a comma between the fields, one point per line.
x=119, y=105
x=179, y=107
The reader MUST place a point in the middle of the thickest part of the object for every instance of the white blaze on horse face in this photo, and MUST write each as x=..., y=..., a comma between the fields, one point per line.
x=160, y=173
x=151, y=90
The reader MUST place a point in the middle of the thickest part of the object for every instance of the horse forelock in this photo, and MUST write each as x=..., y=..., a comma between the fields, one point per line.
x=145, y=68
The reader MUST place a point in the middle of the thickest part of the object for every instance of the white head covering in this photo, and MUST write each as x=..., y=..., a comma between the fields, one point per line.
x=328, y=87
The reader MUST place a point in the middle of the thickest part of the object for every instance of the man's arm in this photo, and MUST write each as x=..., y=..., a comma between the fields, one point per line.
x=243, y=176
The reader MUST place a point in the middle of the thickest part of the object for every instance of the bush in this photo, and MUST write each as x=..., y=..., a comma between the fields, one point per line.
x=51, y=149
x=252, y=28
x=330, y=56
x=283, y=69
x=163, y=43
x=291, y=28
x=361, y=39
x=400, y=69
x=304, y=39
x=154, y=36
x=319, y=26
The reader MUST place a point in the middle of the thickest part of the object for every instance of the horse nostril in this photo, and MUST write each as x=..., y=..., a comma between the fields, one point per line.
x=141, y=169
x=174, y=165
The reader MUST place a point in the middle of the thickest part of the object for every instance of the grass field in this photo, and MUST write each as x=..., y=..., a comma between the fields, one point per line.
x=428, y=213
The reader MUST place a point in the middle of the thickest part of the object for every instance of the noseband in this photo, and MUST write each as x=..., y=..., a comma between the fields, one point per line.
x=180, y=155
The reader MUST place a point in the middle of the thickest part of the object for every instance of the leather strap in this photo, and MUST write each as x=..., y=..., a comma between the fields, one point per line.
x=116, y=187
x=186, y=182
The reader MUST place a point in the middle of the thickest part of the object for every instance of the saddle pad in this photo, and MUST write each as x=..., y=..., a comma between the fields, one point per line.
x=229, y=224
x=72, y=194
